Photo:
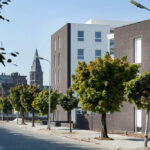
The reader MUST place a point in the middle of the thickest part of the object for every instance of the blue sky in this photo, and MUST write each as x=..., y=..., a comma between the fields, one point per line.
x=33, y=21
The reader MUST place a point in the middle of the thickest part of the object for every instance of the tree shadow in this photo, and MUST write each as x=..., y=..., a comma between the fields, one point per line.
x=13, y=140
x=132, y=139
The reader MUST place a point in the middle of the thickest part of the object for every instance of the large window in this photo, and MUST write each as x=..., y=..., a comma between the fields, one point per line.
x=59, y=76
x=54, y=61
x=80, y=35
x=59, y=42
x=55, y=78
x=58, y=59
x=80, y=54
x=111, y=47
x=55, y=45
x=138, y=50
x=97, y=53
x=97, y=36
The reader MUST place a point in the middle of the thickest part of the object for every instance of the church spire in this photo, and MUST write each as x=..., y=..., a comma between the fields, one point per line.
x=36, y=74
x=36, y=66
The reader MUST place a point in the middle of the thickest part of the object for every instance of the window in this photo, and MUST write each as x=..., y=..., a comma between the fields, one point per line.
x=138, y=50
x=80, y=35
x=55, y=77
x=111, y=47
x=80, y=54
x=55, y=45
x=97, y=36
x=54, y=61
x=59, y=42
x=59, y=76
x=112, y=43
x=58, y=58
x=97, y=53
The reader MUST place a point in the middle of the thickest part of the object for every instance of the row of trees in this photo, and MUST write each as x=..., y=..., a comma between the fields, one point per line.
x=103, y=83
x=100, y=85
x=29, y=98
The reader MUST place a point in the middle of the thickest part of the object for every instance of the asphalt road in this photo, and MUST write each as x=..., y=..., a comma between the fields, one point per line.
x=14, y=138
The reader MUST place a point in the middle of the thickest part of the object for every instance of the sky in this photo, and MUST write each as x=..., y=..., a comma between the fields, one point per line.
x=32, y=22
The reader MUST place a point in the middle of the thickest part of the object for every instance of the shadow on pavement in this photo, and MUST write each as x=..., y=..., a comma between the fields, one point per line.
x=11, y=140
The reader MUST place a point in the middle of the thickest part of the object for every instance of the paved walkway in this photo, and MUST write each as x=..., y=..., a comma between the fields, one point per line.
x=14, y=138
x=120, y=142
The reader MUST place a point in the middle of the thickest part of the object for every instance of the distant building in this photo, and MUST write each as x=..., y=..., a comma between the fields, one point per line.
x=8, y=81
x=36, y=74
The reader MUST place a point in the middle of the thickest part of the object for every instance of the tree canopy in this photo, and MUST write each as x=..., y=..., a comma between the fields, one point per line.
x=100, y=84
x=28, y=95
x=69, y=102
x=138, y=91
x=3, y=53
x=42, y=100
x=15, y=99
x=5, y=105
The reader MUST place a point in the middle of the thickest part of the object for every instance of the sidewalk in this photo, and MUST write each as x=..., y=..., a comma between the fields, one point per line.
x=120, y=142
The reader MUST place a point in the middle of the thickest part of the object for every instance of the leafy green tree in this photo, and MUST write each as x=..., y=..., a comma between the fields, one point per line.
x=5, y=105
x=28, y=95
x=69, y=102
x=3, y=54
x=15, y=99
x=42, y=101
x=100, y=87
x=138, y=93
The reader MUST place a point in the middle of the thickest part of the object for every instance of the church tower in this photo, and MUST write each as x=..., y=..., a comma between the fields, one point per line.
x=36, y=74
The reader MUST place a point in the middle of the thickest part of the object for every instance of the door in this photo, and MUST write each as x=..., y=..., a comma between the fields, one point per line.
x=138, y=120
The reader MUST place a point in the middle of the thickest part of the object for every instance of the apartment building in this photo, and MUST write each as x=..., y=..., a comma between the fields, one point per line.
x=73, y=43
x=133, y=41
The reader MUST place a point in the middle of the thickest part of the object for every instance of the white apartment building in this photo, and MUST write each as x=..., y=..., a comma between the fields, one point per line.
x=73, y=43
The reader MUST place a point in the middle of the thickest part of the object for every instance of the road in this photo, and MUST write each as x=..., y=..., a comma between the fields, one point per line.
x=14, y=138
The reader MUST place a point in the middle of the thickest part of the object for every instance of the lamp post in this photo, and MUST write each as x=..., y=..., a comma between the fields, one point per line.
x=139, y=5
x=49, y=104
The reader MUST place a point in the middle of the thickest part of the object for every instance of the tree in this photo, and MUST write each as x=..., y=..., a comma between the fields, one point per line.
x=99, y=85
x=5, y=105
x=138, y=93
x=69, y=102
x=28, y=95
x=41, y=102
x=14, y=98
x=3, y=54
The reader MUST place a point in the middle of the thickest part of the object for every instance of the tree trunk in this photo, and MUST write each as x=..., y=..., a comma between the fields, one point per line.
x=104, y=126
x=146, y=129
x=70, y=121
x=7, y=117
x=2, y=115
x=22, y=113
x=17, y=117
x=47, y=118
x=33, y=118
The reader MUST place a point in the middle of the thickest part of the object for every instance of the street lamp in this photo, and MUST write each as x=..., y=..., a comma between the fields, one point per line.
x=49, y=104
x=139, y=5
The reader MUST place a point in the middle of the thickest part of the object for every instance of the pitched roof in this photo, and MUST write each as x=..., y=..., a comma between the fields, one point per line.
x=36, y=66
